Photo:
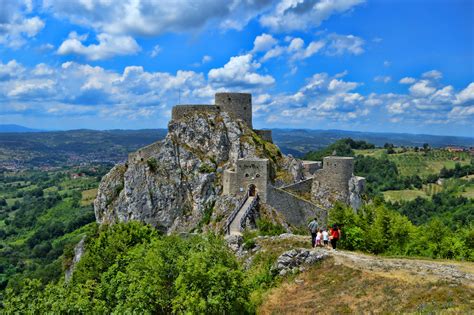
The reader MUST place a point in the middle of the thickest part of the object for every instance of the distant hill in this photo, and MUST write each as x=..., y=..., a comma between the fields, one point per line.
x=56, y=148
x=16, y=128
x=300, y=141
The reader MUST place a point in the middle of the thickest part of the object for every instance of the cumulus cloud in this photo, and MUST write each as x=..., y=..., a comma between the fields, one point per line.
x=466, y=95
x=10, y=70
x=75, y=89
x=340, y=44
x=300, y=15
x=108, y=46
x=433, y=74
x=429, y=102
x=422, y=88
x=383, y=78
x=155, y=51
x=240, y=71
x=323, y=97
x=17, y=24
x=407, y=80
x=295, y=49
x=152, y=18
x=263, y=42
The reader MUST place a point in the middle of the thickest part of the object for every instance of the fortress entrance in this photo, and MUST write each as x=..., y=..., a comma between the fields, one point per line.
x=252, y=190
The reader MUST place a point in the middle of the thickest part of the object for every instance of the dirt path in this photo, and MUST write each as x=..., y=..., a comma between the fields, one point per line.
x=411, y=270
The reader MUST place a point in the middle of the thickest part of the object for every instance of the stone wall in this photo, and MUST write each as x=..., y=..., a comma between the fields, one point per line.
x=180, y=111
x=238, y=105
x=144, y=153
x=296, y=211
x=229, y=183
x=303, y=186
x=310, y=167
x=265, y=134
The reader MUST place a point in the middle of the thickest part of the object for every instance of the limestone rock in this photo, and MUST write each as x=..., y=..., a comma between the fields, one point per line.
x=294, y=260
x=170, y=183
x=78, y=252
x=356, y=188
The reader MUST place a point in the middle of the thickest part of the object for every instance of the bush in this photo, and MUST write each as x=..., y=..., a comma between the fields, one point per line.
x=128, y=268
x=269, y=228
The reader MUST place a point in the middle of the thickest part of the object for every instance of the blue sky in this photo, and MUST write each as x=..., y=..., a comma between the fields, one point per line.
x=385, y=66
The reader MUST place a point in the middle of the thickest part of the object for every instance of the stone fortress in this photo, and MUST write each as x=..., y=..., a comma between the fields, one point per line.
x=326, y=182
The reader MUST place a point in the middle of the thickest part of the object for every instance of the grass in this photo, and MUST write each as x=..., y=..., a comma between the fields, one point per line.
x=405, y=195
x=88, y=196
x=334, y=289
x=468, y=192
x=411, y=162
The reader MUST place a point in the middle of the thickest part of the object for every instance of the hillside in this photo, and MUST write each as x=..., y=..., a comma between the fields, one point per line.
x=350, y=282
x=20, y=150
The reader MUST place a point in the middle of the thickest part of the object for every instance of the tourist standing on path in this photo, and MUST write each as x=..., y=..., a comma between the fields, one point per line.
x=313, y=229
x=335, y=235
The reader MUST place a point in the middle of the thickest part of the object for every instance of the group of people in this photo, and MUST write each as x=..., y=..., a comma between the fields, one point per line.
x=321, y=237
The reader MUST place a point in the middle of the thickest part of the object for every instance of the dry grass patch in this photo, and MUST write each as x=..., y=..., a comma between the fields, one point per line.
x=88, y=196
x=336, y=289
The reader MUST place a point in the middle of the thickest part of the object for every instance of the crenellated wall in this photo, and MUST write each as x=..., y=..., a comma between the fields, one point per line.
x=180, y=111
x=265, y=134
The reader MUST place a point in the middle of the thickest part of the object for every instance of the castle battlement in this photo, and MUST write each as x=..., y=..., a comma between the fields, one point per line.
x=237, y=105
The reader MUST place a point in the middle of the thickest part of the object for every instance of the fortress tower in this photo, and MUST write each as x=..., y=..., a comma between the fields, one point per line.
x=237, y=105
x=331, y=183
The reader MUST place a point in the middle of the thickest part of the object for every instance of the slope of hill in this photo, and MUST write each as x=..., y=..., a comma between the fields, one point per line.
x=349, y=282
x=52, y=148
x=16, y=128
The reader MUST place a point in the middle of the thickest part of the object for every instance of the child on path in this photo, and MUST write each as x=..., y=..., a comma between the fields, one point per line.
x=325, y=235
x=318, y=238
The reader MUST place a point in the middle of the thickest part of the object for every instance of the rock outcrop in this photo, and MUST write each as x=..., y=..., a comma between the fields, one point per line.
x=296, y=259
x=172, y=183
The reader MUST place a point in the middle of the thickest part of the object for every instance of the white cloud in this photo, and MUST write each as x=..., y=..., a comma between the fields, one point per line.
x=387, y=63
x=462, y=113
x=383, y=78
x=152, y=18
x=422, y=88
x=10, y=70
x=407, y=80
x=42, y=69
x=206, y=59
x=466, y=95
x=155, y=51
x=263, y=42
x=433, y=74
x=299, y=15
x=109, y=46
x=322, y=98
x=294, y=48
x=15, y=24
x=273, y=53
x=240, y=71
x=340, y=44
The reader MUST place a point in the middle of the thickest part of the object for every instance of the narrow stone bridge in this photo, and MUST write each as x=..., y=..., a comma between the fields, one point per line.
x=237, y=219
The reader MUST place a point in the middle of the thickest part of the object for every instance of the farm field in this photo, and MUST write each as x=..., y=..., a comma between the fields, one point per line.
x=418, y=163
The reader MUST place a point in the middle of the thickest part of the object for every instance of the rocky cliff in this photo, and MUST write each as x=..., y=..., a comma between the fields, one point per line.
x=171, y=184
